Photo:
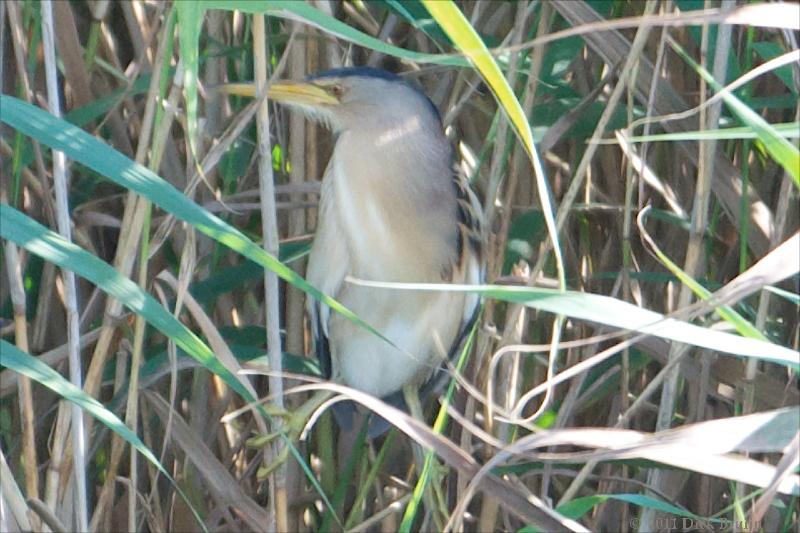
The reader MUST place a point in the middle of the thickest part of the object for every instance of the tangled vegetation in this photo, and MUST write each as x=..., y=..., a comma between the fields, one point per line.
x=635, y=362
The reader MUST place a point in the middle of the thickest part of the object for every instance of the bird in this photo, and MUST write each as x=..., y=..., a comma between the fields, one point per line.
x=394, y=207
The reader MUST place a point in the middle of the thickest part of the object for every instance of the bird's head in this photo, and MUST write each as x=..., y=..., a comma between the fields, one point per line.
x=355, y=98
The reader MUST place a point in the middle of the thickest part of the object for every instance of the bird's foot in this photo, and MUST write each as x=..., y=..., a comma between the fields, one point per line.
x=289, y=426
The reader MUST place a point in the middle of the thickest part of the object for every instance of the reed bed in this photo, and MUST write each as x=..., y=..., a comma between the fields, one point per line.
x=634, y=367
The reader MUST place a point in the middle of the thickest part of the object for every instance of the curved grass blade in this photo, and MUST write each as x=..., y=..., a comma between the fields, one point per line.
x=727, y=313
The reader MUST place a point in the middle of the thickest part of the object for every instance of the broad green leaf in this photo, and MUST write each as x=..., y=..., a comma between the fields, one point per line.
x=190, y=20
x=469, y=42
x=616, y=313
x=92, y=111
x=100, y=106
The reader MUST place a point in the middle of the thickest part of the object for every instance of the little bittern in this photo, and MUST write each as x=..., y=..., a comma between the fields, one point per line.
x=393, y=208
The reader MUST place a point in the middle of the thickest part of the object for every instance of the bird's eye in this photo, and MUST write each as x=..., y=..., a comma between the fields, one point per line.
x=336, y=90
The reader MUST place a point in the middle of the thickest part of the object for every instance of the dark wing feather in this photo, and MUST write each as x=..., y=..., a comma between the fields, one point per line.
x=469, y=245
x=321, y=345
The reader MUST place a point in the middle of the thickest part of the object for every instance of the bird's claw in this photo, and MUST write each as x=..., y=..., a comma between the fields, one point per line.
x=294, y=423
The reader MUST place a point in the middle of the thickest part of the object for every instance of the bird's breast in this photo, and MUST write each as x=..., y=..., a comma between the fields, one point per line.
x=390, y=214
x=396, y=212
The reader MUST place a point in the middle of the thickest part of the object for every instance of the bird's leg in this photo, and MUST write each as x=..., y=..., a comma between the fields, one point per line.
x=292, y=428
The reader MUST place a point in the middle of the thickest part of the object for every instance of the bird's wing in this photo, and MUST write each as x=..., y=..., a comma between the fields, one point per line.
x=327, y=265
x=469, y=269
x=471, y=240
